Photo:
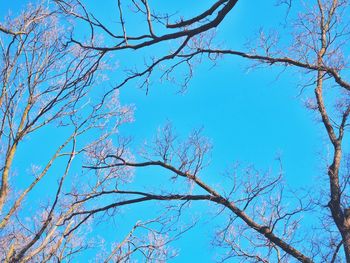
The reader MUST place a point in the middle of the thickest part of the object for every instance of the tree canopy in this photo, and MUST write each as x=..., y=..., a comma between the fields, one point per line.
x=97, y=98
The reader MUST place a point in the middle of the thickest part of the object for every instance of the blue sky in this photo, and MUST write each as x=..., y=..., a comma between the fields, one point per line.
x=249, y=116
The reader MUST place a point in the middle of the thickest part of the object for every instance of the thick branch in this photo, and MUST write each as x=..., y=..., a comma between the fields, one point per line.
x=195, y=19
x=214, y=197
x=182, y=33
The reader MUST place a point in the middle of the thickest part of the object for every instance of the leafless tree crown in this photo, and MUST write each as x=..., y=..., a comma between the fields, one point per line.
x=56, y=94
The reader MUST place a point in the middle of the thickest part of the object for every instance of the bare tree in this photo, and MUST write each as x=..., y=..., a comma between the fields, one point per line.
x=53, y=73
x=47, y=85
x=318, y=50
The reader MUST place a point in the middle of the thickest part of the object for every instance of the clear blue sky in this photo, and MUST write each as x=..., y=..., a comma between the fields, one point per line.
x=250, y=117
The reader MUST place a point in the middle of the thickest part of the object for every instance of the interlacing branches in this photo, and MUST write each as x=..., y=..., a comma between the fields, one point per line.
x=316, y=49
x=51, y=78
